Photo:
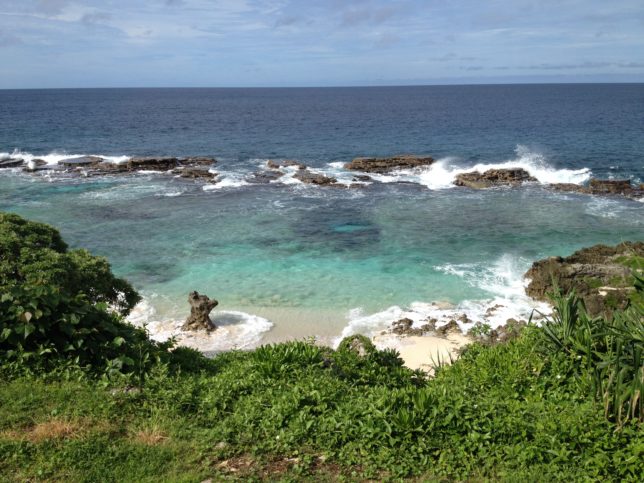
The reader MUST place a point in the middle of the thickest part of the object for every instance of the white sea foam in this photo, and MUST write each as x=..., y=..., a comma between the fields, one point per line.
x=609, y=208
x=443, y=172
x=503, y=280
x=235, y=330
x=55, y=157
x=229, y=179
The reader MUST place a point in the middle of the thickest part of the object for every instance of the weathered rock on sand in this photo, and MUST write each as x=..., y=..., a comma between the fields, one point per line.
x=450, y=327
x=385, y=165
x=285, y=163
x=200, y=308
x=404, y=327
x=602, y=276
x=307, y=177
x=606, y=187
x=493, y=177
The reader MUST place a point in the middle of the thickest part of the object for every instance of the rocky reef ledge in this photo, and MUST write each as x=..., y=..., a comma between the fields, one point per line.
x=602, y=276
x=188, y=167
x=603, y=187
x=385, y=165
x=494, y=177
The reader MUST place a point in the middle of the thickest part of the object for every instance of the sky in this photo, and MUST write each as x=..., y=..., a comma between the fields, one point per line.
x=248, y=43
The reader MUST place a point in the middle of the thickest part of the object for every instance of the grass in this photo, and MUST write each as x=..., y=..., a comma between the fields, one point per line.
x=295, y=411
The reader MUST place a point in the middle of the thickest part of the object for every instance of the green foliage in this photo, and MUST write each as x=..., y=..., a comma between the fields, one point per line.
x=60, y=306
x=34, y=254
x=505, y=412
x=608, y=353
x=524, y=410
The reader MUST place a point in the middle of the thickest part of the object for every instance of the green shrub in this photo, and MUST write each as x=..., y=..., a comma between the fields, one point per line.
x=63, y=305
x=607, y=353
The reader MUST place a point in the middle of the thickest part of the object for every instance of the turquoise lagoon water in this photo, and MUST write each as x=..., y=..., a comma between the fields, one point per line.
x=287, y=260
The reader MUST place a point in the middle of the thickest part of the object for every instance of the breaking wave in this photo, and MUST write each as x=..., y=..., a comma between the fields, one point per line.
x=503, y=281
x=235, y=330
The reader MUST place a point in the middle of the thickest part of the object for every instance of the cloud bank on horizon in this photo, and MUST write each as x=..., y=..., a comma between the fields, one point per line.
x=95, y=43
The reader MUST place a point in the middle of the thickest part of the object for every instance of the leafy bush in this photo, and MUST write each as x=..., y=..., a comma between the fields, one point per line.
x=607, y=353
x=62, y=305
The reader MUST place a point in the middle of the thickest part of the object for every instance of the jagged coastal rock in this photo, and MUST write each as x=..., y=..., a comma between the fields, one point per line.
x=200, y=308
x=308, y=177
x=284, y=163
x=494, y=177
x=190, y=167
x=196, y=172
x=385, y=165
x=602, y=276
x=604, y=187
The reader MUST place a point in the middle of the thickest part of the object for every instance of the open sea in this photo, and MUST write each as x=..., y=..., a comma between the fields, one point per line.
x=288, y=260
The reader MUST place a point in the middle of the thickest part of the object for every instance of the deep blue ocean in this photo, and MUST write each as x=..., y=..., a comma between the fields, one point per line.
x=292, y=260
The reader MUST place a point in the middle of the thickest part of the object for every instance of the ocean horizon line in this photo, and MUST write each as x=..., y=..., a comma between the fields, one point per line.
x=357, y=86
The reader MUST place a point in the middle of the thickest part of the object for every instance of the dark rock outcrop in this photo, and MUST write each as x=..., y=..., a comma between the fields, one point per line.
x=285, y=163
x=263, y=177
x=11, y=163
x=450, y=327
x=362, y=177
x=307, y=177
x=493, y=177
x=602, y=276
x=190, y=167
x=38, y=165
x=606, y=187
x=197, y=161
x=196, y=172
x=200, y=308
x=385, y=165
x=505, y=333
x=152, y=163
x=404, y=327
x=81, y=161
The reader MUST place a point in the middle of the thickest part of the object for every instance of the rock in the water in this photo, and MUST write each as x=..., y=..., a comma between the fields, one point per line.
x=11, y=163
x=602, y=276
x=199, y=172
x=362, y=177
x=285, y=163
x=307, y=177
x=152, y=163
x=385, y=165
x=608, y=187
x=200, y=308
x=493, y=177
x=198, y=161
x=37, y=165
x=80, y=161
x=265, y=176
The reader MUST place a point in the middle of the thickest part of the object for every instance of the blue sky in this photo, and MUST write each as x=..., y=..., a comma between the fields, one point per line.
x=92, y=43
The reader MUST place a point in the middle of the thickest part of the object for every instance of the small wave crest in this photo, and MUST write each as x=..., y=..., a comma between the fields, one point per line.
x=503, y=280
x=55, y=157
x=235, y=330
x=443, y=172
